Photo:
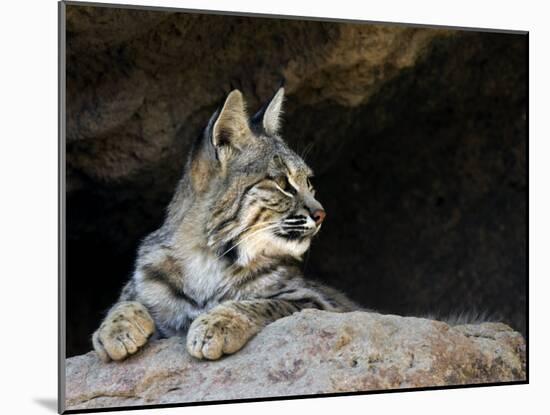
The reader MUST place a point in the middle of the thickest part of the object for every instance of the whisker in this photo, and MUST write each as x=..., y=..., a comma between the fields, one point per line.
x=257, y=224
x=248, y=237
x=239, y=232
x=307, y=150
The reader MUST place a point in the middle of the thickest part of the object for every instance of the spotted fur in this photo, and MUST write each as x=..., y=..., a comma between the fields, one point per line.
x=227, y=260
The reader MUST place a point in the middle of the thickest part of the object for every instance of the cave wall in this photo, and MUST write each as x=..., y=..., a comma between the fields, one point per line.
x=418, y=138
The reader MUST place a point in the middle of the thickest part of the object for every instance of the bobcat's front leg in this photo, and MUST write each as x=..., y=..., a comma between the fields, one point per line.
x=124, y=331
x=227, y=327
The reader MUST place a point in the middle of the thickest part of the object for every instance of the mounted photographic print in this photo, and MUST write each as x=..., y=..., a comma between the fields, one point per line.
x=274, y=207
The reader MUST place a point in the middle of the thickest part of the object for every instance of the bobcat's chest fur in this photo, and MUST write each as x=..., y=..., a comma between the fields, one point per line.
x=179, y=287
x=204, y=277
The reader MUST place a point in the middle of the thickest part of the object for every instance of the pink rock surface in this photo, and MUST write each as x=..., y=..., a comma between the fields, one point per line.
x=311, y=352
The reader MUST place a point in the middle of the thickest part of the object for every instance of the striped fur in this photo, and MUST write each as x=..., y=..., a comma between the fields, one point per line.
x=227, y=260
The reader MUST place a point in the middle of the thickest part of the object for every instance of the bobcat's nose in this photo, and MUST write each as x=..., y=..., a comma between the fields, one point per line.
x=318, y=216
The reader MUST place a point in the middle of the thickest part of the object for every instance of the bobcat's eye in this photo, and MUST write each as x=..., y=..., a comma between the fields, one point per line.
x=284, y=184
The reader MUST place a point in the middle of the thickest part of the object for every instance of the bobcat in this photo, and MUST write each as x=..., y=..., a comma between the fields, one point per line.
x=226, y=261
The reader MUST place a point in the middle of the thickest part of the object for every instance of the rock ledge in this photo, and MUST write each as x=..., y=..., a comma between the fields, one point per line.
x=311, y=352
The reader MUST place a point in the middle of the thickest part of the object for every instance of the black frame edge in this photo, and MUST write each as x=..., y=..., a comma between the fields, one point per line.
x=61, y=303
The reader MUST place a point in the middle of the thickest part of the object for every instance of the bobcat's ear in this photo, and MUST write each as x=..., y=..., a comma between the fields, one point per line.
x=230, y=130
x=226, y=133
x=269, y=117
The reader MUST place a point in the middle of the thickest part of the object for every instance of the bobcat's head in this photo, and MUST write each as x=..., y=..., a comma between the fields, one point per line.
x=254, y=192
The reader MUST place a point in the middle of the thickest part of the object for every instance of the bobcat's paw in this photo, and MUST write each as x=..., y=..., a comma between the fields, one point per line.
x=123, y=332
x=216, y=333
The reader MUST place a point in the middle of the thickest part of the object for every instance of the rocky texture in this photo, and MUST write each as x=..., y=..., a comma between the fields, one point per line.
x=417, y=136
x=312, y=352
x=171, y=67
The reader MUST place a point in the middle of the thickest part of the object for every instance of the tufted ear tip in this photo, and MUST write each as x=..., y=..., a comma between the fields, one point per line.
x=270, y=116
x=280, y=94
x=235, y=95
